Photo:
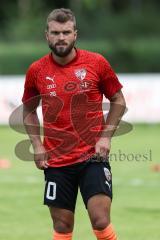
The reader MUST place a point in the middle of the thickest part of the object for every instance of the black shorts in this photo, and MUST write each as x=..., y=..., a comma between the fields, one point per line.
x=62, y=183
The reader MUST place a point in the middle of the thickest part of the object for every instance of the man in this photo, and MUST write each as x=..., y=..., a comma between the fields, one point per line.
x=71, y=83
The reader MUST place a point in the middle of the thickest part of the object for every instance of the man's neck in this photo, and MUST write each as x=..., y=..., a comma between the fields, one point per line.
x=64, y=60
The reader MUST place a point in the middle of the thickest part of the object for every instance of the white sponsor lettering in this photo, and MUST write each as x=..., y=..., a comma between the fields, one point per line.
x=51, y=86
x=53, y=94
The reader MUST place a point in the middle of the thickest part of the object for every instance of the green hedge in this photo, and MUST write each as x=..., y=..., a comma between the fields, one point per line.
x=139, y=55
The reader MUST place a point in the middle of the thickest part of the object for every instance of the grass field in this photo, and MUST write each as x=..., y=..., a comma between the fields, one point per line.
x=136, y=203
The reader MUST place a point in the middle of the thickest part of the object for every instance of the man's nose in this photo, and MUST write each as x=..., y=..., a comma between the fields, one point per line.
x=61, y=36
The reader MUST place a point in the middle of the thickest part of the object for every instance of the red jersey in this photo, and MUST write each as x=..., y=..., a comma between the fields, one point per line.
x=71, y=103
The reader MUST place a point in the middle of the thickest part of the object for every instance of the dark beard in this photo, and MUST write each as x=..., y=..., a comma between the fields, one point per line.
x=62, y=52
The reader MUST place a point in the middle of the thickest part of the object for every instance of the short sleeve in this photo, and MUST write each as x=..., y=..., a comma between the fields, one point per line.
x=30, y=89
x=109, y=83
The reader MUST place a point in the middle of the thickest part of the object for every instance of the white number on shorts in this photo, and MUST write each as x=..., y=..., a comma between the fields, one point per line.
x=51, y=191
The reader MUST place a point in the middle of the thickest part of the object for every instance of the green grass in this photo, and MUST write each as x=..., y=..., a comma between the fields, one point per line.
x=135, y=207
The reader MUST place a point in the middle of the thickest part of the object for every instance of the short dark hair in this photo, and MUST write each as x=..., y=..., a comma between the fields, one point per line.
x=61, y=15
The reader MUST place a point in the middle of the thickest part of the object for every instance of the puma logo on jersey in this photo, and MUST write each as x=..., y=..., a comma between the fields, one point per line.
x=50, y=78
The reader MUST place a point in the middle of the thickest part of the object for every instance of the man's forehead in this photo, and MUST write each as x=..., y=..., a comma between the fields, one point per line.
x=54, y=25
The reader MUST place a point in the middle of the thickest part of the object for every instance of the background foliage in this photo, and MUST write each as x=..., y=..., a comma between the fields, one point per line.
x=126, y=32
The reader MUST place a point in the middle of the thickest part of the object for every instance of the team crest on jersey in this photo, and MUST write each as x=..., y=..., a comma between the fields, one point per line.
x=81, y=74
x=107, y=174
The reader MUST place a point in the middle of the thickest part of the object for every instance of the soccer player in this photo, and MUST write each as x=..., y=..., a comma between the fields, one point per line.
x=74, y=152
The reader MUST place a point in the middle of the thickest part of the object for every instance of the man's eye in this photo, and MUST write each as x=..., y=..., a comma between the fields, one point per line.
x=66, y=32
x=54, y=33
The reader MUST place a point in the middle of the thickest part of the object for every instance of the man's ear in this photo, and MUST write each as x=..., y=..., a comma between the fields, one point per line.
x=46, y=35
x=76, y=33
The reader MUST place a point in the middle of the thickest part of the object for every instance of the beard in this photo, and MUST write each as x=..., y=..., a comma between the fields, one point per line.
x=61, y=49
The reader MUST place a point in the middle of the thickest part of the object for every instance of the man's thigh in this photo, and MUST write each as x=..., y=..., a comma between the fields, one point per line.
x=61, y=188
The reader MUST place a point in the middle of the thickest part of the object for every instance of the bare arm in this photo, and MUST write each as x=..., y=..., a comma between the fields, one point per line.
x=32, y=126
x=116, y=111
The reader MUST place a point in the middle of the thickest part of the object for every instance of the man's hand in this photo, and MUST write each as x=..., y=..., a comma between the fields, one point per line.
x=41, y=157
x=103, y=146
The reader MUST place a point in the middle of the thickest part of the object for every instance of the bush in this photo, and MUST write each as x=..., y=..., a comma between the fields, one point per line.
x=136, y=55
